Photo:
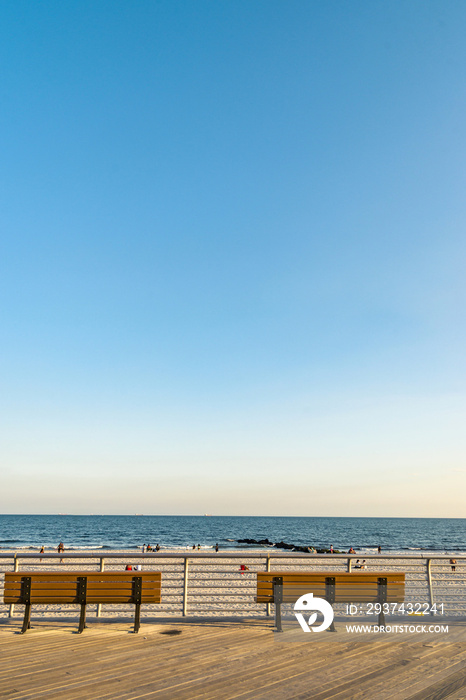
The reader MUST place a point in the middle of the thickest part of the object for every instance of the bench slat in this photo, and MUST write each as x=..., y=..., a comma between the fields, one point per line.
x=123, y=599
x=287, y=598
x=72, y=585
x=91, y=575
x=347, y=589
x=16, y=587
x=340, y=578
x=71, y=596
x=73, y=593
x=72, y=600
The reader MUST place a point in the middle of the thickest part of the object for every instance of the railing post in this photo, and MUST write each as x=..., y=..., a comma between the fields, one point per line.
x=429, y=580
x=349, y=565
x=185, y=587
x=267, y=568
x=102, y=568
x=15, y=568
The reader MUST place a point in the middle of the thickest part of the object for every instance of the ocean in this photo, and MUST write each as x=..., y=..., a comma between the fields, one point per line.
x=111, y=532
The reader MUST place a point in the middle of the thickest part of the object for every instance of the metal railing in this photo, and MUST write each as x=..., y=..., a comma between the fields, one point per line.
x=199, y=584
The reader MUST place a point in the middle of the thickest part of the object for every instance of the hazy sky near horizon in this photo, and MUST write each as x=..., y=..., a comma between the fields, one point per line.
x=232, y=250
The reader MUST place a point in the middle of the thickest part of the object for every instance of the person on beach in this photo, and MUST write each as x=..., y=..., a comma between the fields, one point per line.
x=194, y=546
x=358, y=564
x=363, y=565
x=149, y=548
x=216, y=547
x=60, y=550
x=198, y=547
x=128, y=567
x=143, y=547
x=351, y=551
x=331, y=549
x=379, y=549
x=243, y=568
x=157, y=547
x=42, y=549
x=453, y=564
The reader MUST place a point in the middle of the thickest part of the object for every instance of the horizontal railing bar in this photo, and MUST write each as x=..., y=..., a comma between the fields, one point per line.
x=227, y=577
x=221, y=595
x=421, y=581
x=194, y=590
x=225, y=555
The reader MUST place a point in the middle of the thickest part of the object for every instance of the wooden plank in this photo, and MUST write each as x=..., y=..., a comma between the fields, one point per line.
x=368, y=599
x=298, y=585
x=104, y=592
x=344, y=599
x=90, y=581
x=91, y=575
x=13, y=587
x=72, y=598
x=43, y=591
x=342, y=590
x=60, y=596
x=341, y=575
x=368, y=590
x=340, y=579
x=91, y=599
x=304, y=587
x=302, y=590
x=71, y=587
x=17, y=577
x=65, y=600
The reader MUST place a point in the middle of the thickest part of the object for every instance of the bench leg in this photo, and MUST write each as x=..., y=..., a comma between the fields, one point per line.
x=137, y=618
x=278, y=617
x=82, y=619
x=381, y=619
x=27, y=618
x=277, y=588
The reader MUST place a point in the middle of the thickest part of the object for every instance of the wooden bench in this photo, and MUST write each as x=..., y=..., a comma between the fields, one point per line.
x=82, y=587
x=356, y=587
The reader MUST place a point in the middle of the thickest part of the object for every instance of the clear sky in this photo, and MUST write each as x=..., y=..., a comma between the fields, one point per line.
x=232, y=257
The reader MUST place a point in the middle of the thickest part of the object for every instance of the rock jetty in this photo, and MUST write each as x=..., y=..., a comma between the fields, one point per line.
x=286, y=545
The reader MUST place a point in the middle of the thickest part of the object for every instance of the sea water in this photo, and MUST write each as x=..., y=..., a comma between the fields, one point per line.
x=442, y=535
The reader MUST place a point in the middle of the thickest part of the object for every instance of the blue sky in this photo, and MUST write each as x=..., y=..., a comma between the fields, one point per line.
x=232, y=257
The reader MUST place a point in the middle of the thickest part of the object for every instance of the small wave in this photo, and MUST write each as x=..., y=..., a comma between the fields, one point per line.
x=10, y=541
x=96, y=546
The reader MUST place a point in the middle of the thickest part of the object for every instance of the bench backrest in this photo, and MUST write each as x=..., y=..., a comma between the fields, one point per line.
x=77, y=586
x=357, y=587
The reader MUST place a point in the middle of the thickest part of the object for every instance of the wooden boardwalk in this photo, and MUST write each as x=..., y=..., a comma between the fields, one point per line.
x=222, y=659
